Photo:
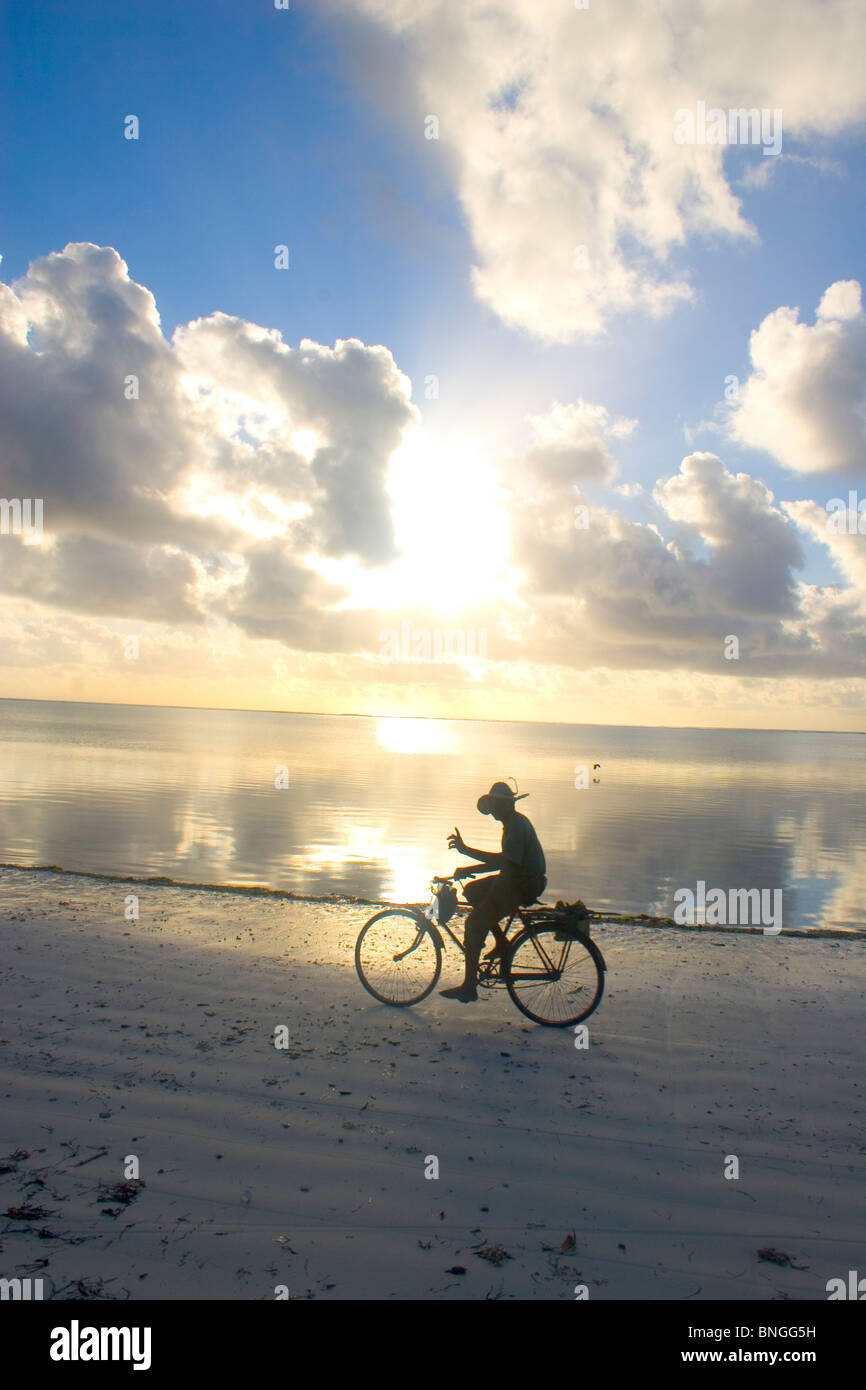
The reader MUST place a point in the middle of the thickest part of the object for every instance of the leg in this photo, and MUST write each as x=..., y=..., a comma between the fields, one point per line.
x=477, y=926
x=492, y=899
x=499, y=949
x=475, y=893
x=502, y=897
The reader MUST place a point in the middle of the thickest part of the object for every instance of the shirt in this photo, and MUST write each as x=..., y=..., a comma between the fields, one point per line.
x=522, y=847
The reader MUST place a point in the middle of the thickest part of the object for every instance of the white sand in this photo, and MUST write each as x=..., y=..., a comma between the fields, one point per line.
x=155, y=1038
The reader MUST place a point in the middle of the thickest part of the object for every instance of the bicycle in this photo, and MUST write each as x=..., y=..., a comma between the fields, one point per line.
x=549, y=967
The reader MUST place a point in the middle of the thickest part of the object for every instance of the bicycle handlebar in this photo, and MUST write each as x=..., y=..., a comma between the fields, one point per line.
x=468, y=871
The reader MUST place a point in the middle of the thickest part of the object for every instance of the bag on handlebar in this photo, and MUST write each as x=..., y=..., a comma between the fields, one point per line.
x=446, y=903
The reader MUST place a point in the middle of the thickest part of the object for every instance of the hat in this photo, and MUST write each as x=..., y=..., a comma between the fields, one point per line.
x=500, y=791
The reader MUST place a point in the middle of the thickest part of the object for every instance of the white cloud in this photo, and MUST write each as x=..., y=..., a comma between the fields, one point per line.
x=805, y=402
x=558, y=127
x=847, y=550
x=761, y=175
x=570, y=442
x=229, y=412
x=326, y=422
x=154, y=504
x=618, y=594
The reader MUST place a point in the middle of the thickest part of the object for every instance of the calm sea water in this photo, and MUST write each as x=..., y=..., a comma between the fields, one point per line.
x=191, y=794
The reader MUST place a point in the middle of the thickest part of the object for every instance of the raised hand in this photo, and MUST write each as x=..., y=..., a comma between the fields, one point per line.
x=455, y=841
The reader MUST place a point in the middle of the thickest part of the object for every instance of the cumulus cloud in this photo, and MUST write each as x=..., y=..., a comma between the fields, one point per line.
x=752, y=548
x=226, y=497
x=571, y=443
x=617, y=593
x=88, y=574
x=71, y=330
x=324, y=421
x=805, y=401
x=156, y=493
x=840, y=532
x=558, y=127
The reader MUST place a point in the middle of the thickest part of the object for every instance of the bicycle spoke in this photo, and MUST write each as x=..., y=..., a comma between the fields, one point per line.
x=554, y=982
x=397, y=958
x=541, y=953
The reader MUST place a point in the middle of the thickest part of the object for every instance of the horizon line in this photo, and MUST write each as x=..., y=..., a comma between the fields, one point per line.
x=437, y=718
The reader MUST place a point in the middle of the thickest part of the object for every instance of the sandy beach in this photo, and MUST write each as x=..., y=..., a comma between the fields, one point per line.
x=304, y=1169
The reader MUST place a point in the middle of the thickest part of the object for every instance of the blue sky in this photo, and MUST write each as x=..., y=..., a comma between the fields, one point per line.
x=304, y=127
x=250, y=135
x=255, y=132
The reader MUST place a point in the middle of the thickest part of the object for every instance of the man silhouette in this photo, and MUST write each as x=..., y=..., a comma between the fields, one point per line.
x=520, y=880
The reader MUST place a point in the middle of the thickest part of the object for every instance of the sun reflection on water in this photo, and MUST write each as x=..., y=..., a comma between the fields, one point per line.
x=416, y=736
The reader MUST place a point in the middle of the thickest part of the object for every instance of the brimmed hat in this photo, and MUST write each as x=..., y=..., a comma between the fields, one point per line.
x=500, y=791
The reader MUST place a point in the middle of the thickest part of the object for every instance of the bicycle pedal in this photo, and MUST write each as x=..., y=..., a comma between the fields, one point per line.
x=488, y=976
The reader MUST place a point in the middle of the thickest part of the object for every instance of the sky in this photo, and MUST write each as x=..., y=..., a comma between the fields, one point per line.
x=411, y=358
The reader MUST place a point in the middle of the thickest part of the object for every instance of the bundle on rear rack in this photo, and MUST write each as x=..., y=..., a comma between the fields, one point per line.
x=567, y=918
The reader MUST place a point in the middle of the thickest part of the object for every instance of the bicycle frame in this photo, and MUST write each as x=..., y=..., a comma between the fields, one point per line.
x=529, y=962
x=426, y=924
x=436, y=928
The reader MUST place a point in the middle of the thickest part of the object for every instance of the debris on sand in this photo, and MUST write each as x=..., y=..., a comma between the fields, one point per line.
x=124, y=1192
x=494, y=1253
x=778, y=1257
x=92, y=1288
x=568, y=1246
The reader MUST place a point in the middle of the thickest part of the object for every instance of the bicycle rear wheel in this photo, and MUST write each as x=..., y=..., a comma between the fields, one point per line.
x=397, y=957
x=553, y=978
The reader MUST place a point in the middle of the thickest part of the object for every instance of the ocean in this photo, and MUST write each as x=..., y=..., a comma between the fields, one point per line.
x=362, y=806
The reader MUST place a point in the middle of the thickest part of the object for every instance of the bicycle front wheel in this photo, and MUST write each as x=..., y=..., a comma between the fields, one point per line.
x=554, y=979
x=397, y=957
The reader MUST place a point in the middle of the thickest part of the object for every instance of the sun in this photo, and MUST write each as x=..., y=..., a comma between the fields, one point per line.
x=451, y=529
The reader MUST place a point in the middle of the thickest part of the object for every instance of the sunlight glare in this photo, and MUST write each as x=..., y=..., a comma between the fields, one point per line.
x=415, y=736
x=451, y=528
